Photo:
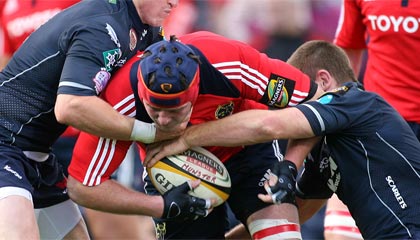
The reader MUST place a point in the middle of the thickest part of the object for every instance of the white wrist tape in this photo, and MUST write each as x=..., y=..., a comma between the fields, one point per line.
x=143, y=132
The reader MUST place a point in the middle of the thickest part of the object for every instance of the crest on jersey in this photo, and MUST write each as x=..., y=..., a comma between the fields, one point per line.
x=278, y=91
x=224, y=110
x=133, y=39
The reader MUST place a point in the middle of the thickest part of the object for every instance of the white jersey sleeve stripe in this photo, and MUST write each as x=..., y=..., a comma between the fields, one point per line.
x=105, y=149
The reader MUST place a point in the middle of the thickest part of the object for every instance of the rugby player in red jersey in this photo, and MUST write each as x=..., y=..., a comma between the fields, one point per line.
x=204, y=77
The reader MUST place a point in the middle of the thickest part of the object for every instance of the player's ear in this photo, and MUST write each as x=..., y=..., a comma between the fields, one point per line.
x=324, y=79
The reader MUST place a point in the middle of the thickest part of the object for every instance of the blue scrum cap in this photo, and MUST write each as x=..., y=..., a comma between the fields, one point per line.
x=168, y=74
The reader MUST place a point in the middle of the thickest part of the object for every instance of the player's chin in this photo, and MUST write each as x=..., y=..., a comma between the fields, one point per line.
x=168, y=128
x=158, y=21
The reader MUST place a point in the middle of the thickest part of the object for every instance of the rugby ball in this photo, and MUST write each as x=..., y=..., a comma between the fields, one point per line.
x=194, y=163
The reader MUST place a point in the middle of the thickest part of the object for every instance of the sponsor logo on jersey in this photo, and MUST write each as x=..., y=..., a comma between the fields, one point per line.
x=113, y=35
x=278, y=89
x=133, y=39
x=224, y=110
x=101, y=80
x=384, y=23
x=112, y=1
x=143, y=34
x=111, y=57
x=335, y=175
x=394, y=188
x=121, y=62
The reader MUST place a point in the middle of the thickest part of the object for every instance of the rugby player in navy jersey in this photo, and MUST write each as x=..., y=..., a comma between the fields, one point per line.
x=204, y=77
x=52, y=81
x=375, y=150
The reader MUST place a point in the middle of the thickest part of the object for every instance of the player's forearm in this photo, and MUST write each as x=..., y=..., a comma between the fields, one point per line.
x=298, y=149
x=110, y=196
x=307, y=208
x=250, y=127
x=93, y=115
x=242, y=128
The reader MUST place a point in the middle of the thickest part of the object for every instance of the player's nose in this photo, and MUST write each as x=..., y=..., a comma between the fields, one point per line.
x=163, y=119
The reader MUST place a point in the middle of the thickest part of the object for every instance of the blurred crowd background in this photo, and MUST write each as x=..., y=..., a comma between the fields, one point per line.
x=276, y=27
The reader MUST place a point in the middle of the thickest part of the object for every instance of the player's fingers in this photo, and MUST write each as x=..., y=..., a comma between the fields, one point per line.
x=272, y=179
x=267, y=188
x=208, y=204
x=193, y=183
x=185, y=187
x=265, y=198
x=151, y=159
x=200, y=203
x=271, y=188
x=202, y=213
x=150, y=154
x=278, y=196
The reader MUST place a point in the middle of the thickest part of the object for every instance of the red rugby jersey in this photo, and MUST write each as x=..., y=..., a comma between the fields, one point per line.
x=390, y=30
x=21, y=17
x=233, y=77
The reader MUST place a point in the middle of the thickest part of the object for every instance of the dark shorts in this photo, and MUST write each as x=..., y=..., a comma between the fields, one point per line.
x=248, y=170
x=44, y=180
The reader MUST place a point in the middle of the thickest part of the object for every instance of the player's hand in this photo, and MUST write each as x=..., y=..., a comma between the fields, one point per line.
x=320, y=177
x=180, y=206
x=281, y=184
x=159, y=150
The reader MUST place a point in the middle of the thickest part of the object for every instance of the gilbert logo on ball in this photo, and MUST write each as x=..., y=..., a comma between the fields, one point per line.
x=194, y=163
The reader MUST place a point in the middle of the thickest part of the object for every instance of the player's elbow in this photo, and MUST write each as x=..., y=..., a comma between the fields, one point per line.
x=69, y=108
x=272, y=127
x=62, y=108
x=268, y=130
x=75, y=191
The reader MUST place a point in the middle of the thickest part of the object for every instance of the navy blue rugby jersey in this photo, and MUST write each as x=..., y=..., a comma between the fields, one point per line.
x=73, y=53
x=378, y=156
